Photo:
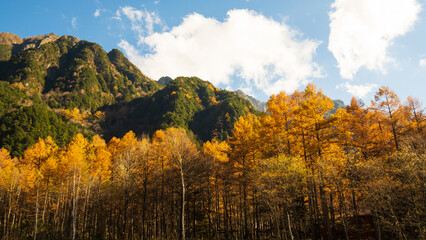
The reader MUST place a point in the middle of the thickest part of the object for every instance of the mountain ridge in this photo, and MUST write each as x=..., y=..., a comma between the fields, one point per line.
x=258, y=105
x=76, y=86
x=59, y=86
x=11, y=44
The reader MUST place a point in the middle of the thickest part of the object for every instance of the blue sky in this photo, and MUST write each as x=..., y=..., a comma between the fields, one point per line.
x=345, y=47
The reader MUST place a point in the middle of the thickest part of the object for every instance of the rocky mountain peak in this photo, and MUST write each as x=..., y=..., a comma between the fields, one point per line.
x=37, y=41
x=258, y=105
x=164, y=80
x=10, y=39
x=11, y=44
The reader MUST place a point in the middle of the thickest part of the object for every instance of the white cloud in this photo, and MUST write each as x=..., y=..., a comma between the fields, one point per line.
x=361, y=32
x=358, y=91
x=422, y=62
x=264, y=53
x=97, y=13
x=74, y=23
x=117, y=15
x=142, y=21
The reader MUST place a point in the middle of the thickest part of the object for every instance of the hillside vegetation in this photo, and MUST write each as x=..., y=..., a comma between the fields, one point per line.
x=85, y=89
x=189, y=103
x=296, y=172
x=91, y=148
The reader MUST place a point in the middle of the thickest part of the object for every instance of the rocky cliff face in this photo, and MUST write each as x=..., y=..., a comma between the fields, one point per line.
x=164, y=80
x=7, y=41
x=10, y=39
x=11, y=44
x=258, y=105
x=37, y=41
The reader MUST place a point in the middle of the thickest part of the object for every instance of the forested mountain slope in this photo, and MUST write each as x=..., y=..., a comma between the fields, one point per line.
x=189, y=103
x=76, y=86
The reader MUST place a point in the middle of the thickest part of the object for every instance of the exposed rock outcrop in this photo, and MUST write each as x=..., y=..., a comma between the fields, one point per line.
x=258, y=105
x=10, y=39
x=164, y=80
x=11, y=44
x=37, y=41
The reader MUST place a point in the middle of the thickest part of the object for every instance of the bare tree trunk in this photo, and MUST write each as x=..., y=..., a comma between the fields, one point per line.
x=313, y=210
x=18, y=194
x=245, y=210
x=325, y=214
x=343, y=214
x=13, y=222
x=289, y=227
x=144, y=204
x=277, y=222
x=57, y=209
x=333, y=217
x=357, y=227
x=193, y=219
x=86, y=203
x=156, y=215
x=74, y=207
x=36, y=217
x=45, y=205
x=183, y=204
x=163, y=221
x=6, y=218
x=377, y=226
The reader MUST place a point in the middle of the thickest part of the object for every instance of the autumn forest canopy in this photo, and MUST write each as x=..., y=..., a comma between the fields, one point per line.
x=90, y=148
x=295, y=172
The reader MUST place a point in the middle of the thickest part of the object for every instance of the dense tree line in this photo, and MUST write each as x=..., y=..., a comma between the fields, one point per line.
x=296, y=172
x=186, y=102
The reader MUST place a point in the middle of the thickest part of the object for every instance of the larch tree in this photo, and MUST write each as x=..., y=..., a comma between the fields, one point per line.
x=185, y=160
x=11, y=186
x=387, y=102
x=276, y=130
x=34, y=158
x=75, y=163
x=296, y=172
x=315, y=134
x=281, y=181
x=416, y=124
x=244, y=150
x=219, y=180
